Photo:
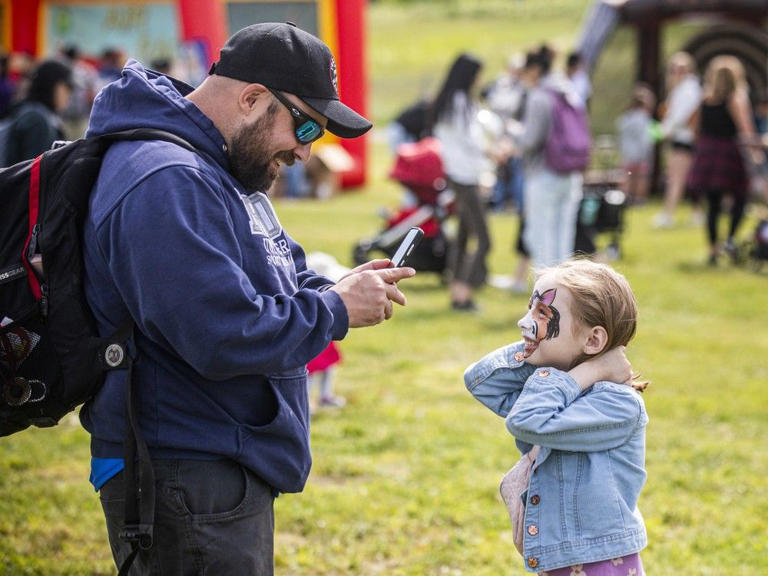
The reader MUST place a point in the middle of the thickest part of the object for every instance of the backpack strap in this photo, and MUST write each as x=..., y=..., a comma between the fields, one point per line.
x=138, y=474
x=30, y=246
x=149, y=134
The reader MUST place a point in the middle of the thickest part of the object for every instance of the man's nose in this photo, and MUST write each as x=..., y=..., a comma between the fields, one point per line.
x=302, y=152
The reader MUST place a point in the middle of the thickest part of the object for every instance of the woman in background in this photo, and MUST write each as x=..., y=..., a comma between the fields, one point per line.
x=36, y=123
x=684, y=96
x=724, y=120
x=453, y=117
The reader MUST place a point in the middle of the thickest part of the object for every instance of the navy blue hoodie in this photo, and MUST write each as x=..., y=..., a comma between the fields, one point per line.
x=227, y=313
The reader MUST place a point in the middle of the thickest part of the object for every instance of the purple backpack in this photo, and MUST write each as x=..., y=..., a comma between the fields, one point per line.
x=568, y=141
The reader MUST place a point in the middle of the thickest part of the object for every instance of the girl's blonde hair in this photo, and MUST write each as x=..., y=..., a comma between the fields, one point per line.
x=724, y=75
x=601, y=297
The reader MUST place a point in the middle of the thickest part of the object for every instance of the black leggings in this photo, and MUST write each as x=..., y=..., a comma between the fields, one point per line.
x=715, y=199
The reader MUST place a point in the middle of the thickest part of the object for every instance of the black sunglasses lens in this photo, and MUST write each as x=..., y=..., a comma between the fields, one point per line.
x=308, y=132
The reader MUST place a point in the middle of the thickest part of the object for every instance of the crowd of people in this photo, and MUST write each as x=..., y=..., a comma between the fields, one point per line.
x=50, y=99
x=495, y=141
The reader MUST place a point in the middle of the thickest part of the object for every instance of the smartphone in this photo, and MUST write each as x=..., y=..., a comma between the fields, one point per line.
x=411, y=240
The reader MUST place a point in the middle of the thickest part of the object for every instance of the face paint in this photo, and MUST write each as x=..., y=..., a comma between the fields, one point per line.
x=542, y=321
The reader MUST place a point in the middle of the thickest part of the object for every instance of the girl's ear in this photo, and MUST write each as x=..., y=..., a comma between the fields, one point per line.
x=597, y=338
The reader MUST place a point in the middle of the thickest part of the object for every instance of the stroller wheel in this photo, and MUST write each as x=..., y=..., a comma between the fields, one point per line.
x=360, y=253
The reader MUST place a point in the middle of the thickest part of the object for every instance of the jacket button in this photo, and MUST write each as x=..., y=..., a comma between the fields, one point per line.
x=544, y=373
x=519, y=356
x=535, y=499
x=533, y=529
x=532, y=562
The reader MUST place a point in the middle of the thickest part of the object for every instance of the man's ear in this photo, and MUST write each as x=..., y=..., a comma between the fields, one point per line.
x=597, y=338
x=252, y=97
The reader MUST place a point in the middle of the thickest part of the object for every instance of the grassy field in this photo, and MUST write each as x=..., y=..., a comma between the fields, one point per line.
x=405, y=477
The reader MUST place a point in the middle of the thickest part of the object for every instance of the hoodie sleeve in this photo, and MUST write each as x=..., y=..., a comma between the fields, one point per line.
x=175, y=258
x=307, y=278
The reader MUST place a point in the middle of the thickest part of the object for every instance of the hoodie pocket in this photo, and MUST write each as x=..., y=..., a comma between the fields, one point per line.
x=279, y=451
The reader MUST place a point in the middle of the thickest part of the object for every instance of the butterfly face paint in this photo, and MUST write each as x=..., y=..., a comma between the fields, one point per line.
x=542, y=322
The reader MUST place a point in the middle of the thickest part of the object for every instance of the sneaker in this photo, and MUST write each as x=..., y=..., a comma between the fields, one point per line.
x=519, y=287
x=333, y=402
x=732, y=250
x=663, y=220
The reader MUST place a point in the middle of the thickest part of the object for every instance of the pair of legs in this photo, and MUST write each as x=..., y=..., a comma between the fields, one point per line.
x=520, y=281
x=551, y=209
x=678, y=166
x=715, y=201
x=211, y=517
x=324, y=381
x=468, y=263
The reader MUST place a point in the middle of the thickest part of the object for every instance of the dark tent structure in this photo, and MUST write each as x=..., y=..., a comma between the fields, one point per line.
x=739, y=28
x=734, y=27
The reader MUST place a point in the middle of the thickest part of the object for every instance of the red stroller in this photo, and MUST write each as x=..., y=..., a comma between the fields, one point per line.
x=418, y=167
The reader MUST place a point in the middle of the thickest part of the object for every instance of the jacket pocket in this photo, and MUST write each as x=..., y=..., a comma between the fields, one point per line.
x=596, y=508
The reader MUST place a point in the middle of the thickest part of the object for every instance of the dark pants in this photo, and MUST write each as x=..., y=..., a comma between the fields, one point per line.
x=211, y=517
x=470, y=266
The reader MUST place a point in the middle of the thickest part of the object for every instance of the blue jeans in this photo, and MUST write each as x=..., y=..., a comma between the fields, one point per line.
x=211, y=517
x=551, y=207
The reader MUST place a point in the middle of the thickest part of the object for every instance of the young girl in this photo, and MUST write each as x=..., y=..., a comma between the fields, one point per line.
x=567, y=389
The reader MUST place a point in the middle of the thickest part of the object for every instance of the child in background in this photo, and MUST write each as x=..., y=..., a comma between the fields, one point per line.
x=321, y=372
x=322, y=368
x=636, y=143
x=567, y=390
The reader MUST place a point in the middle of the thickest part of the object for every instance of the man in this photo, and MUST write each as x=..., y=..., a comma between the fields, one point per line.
x=226, y=313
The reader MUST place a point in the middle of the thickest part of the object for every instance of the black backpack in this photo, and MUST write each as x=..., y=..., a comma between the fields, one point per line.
x=51, y=356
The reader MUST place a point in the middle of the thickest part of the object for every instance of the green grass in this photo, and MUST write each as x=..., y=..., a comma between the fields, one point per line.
x=405, y=477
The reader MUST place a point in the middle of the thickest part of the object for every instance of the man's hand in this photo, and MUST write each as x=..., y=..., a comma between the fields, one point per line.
x=369, y=290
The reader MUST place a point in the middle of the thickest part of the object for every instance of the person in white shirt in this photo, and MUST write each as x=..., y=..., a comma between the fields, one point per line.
x=453, y=117
x=683, y=100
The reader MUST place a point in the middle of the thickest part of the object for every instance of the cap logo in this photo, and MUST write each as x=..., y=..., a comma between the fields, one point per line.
x=334, y=79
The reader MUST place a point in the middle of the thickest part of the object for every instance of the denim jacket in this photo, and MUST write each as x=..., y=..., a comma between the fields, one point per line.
x=581, y=502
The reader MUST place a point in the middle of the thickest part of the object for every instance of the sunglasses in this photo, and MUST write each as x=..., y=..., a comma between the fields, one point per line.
x=307, y=130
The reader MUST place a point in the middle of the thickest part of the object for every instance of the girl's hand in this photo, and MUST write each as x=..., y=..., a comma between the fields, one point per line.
x=612, y=366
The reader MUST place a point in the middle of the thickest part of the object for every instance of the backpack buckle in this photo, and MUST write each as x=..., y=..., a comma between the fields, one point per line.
x=137, y=533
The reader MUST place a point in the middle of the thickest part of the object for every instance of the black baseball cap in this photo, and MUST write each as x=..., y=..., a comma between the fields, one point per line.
x=286, y=58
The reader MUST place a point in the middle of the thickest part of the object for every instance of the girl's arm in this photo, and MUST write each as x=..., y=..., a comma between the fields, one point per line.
x=497, y=379
x=554, y=410
x=612, y=366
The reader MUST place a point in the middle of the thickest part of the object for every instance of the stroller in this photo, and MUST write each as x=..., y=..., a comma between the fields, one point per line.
x=418, y=166
x=602, y=206
x=601, y=212
x=759, y=248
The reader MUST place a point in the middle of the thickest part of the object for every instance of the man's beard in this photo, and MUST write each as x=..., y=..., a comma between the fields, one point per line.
x=250, y=161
